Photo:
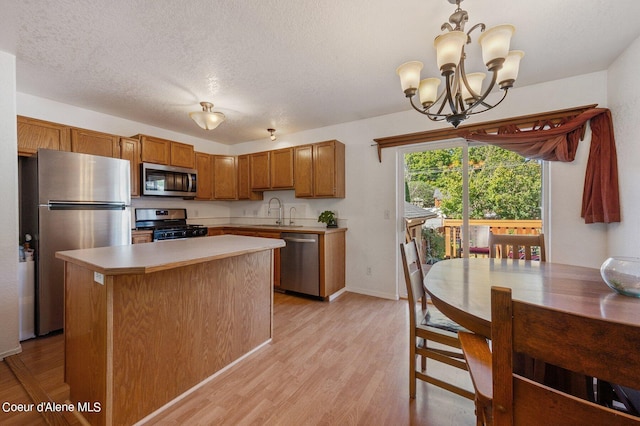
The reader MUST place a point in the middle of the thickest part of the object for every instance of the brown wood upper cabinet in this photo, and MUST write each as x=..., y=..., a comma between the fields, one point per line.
x=34, y=134
x=303, y=167
x=271, y=170
x=244, y=180
x=217, y=177
x=130, y=150
x=204, y=188
x=260, y=171
x=319, y=170
x=224, y=177
x=182, y=155
x=282, y=169
x=163, y=151
x=95, y=143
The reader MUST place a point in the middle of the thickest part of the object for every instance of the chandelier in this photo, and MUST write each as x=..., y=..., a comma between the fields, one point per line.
x=207, y=119
x=462, y=95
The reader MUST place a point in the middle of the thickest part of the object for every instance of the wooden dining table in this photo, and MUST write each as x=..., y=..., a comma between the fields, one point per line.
x=461, y=290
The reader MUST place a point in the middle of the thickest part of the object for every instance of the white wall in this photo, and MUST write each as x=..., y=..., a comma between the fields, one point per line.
x=571, y=240
x=624, y=101
x=8, y=208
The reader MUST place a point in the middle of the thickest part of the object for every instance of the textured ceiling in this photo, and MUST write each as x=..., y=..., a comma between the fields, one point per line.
x=287, y=64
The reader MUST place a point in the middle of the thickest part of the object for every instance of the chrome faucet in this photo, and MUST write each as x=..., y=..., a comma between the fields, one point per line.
x=280, y=220
x=291, y=210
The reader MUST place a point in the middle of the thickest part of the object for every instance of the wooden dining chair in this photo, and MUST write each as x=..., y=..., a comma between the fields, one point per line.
x=478, y=356
x=515, y=246
x=423, y=330
x=588, y=346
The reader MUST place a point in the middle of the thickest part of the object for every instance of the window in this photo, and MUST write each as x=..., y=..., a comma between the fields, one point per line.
x=470, y=186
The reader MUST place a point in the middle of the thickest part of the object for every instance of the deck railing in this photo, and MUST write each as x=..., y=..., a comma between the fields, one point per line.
x=452, y=230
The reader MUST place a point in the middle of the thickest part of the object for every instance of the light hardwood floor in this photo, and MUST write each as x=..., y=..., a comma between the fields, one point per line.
x=338, y=363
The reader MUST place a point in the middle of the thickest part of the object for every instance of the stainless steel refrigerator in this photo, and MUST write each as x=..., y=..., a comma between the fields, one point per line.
x=70, y=201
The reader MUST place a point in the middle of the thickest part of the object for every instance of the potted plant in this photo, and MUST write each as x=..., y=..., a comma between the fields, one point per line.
x=329, y=218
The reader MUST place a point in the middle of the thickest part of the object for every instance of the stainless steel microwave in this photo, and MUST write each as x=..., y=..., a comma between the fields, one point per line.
x=168, y=181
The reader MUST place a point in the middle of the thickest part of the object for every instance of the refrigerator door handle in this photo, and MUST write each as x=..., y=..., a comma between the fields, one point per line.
x=93, y=205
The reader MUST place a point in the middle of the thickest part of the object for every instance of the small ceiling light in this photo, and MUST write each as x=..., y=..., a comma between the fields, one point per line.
x=206, y=118
x=272, y=131
x=462, y=94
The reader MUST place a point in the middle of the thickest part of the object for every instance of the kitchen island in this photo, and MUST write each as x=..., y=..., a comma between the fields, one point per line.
x=145, y=323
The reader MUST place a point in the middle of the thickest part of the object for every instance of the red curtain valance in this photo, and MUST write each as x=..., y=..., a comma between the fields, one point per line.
x=600, y=197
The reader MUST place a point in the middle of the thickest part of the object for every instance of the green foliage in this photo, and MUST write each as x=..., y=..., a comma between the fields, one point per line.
x=434, y=242
x=407, y=195
x=422, y=191
x=502, y=184
x=327, y=217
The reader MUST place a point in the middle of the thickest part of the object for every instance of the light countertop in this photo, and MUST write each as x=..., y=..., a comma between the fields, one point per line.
x=163, y=255
x=281, y=228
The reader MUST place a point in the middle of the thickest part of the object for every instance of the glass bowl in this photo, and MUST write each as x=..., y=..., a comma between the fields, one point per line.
x=622, y=274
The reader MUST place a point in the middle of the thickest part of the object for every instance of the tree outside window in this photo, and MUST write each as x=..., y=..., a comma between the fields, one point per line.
x=502, y=184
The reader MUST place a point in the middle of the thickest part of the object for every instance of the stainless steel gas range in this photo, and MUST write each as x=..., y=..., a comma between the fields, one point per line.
x=167, y=224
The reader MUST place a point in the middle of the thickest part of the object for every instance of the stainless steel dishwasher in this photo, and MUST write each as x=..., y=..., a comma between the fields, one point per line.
x=299, y=263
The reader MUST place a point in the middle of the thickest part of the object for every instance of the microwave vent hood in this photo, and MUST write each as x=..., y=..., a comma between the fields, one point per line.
x=168, y=181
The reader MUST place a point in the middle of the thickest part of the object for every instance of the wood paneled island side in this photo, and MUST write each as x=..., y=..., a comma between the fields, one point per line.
x=145, y=323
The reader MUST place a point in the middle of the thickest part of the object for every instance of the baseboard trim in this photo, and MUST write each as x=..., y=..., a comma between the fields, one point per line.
x=10, y=352
x=337, y=294
x=368, y=292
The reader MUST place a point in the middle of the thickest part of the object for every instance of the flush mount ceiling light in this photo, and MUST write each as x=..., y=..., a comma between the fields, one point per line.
x=271, y=132
x=462, y=95
x=206, y=118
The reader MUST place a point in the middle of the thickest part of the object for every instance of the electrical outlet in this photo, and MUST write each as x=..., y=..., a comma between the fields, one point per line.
x=368, y=270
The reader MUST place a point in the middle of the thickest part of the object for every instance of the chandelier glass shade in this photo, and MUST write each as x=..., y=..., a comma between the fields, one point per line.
x=462, y=94
x=207, y=119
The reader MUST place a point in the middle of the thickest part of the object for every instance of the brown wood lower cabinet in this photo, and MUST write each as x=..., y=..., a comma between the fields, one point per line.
x=332, y=253
x=212, y=232
x=139, y=237
x=332, y=263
